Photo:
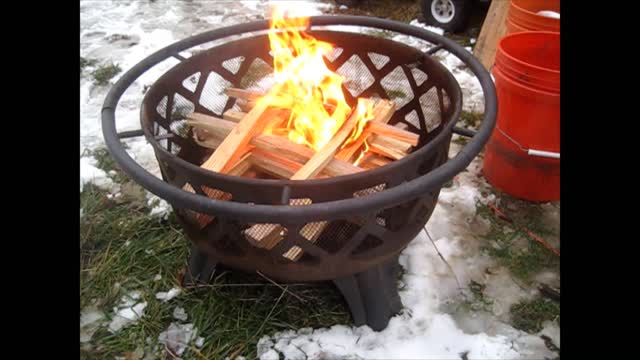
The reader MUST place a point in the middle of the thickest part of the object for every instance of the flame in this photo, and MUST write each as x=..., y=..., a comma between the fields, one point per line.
x=362, y=153
x=305, y=85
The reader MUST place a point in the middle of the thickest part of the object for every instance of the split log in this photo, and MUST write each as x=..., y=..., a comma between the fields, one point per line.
x=235, y=143
x=233, y=115
x=376, y=130
x=394, y=132
x=392, y=143
x=382, y=113
x=321, y=158
x=274, y=164
x=372, y=161
x=386, y=151
x=301, y=153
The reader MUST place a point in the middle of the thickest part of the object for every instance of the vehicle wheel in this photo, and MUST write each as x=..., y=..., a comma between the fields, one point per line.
x=450, y=15
x=348, y=2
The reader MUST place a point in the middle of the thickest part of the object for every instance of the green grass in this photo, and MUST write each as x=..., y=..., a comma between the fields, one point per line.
x=477, y=301
x=103, y=74
x=504, y=242
x=461, y=140
x=122, y=249
x=470, y=119
x=529, y=315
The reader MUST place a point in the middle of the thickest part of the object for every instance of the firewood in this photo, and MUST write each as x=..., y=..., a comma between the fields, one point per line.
x=301, y=153
x=372, y=161
x=394, y=132
x=388, y=136
x=274, y=164
x=386, y=151
x=243, y=94
x=211, y=131
x=321, y=158
x=235, y=143
x=216, y=127
x=392, y=143
x=382, y=112
x=233, y=115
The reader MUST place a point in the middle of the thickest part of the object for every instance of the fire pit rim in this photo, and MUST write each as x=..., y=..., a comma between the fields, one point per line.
x=322, y=210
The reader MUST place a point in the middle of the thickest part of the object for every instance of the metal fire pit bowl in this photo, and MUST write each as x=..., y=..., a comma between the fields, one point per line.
x=359, y=247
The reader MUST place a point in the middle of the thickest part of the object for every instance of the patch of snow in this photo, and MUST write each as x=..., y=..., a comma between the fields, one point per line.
x=90, y=321
x=549, y=14
x=472, y=40
x=270, y=355
x=177, y=337
x=89, y=173
x=81, y=213
x=158, y=277
x=166, y=296
x=552, y=330
x=159, y=207
x=127, y=312
x=199, y=342
x=343, y=7
x=179, y=314
x=434, y=29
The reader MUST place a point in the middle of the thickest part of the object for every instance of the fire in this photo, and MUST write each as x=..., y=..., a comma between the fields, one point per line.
x=306, y=86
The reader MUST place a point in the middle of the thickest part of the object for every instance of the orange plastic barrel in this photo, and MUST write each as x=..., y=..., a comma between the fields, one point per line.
x=523, y=16
x=522, y=155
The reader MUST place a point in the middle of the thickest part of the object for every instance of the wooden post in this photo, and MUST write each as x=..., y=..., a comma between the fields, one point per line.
x=493, y=29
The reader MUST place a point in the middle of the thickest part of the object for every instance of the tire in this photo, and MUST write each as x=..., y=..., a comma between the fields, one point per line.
x=450, y=15
x=348, y=2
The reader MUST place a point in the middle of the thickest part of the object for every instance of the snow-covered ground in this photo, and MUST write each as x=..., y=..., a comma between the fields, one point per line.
x=430, y=327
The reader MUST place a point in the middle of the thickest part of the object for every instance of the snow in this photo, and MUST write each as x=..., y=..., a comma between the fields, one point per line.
x=166, y=296
x=158, y=277
x=549, y=14
x=127, y=312
x=343, y=7
x=177, y=337
x=179, y=314
x=90, y=321
x=199, y=342
x=89, y=173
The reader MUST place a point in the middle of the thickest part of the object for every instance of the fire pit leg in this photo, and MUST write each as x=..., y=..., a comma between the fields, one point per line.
x=201, y=267
x=372, y=295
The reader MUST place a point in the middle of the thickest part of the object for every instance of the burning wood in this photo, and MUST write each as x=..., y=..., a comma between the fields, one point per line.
x=302, y=128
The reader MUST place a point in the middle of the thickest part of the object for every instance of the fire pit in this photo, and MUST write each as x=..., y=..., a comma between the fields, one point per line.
x=361, y=221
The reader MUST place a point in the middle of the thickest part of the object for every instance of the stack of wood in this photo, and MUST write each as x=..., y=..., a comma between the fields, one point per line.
x=242, y=148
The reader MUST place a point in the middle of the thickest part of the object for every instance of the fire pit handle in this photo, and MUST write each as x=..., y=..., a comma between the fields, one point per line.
x=322, y=210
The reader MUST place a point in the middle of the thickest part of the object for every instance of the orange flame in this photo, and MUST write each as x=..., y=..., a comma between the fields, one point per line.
x=306, y=86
